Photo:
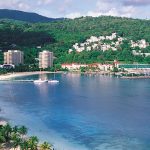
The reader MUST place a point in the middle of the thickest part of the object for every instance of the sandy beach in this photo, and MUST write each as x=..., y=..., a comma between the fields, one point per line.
x=20, y=74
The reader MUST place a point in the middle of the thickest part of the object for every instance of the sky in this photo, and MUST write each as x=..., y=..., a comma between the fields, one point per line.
x=78, y=8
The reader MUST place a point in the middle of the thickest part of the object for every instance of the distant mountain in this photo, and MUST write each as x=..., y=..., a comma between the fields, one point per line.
x=25, y=16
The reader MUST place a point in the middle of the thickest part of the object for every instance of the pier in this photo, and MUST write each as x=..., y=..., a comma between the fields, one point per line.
x=17, y=80
x=30, y=81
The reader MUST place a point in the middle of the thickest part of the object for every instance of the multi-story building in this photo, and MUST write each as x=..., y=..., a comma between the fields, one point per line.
x=14, y=57
x=45, y=59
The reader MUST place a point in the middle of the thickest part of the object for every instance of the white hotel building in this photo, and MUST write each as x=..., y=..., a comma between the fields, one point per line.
x=45, y=59
x=13, y=57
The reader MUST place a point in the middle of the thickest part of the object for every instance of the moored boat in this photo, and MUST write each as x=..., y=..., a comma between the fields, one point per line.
x=53, y=81
x=40, y=81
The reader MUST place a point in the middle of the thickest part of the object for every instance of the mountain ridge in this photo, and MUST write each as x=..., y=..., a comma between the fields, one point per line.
x=25, y=16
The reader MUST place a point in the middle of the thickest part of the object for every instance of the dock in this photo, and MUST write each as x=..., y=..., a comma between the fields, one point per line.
x=29, y=81
x=17, y=80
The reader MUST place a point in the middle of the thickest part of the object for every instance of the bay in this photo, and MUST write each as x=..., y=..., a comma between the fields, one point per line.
x=82, y=112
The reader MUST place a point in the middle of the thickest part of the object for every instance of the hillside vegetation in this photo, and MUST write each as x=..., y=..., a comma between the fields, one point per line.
x=59, y=37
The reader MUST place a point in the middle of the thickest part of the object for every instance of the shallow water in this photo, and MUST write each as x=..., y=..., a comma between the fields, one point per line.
x=82, y=112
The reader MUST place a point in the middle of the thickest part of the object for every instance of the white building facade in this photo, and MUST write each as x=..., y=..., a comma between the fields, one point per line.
x=14, y=57
x=45, y=59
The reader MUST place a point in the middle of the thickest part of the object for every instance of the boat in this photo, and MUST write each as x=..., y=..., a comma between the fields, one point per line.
x=64, y=73
x=53, y=81
x=40, y=81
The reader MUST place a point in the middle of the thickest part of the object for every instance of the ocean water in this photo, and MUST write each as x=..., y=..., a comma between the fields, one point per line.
x=82, y=112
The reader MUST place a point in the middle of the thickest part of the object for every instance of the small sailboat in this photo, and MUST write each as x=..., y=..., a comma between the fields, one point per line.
x=54, y=81
x=40, y=80
x=64, y=73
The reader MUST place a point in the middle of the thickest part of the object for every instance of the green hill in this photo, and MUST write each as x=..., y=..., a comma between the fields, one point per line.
x=25, y=16
x=59, y=37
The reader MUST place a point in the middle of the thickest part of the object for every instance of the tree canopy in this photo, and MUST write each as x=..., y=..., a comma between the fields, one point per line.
x=59, y=37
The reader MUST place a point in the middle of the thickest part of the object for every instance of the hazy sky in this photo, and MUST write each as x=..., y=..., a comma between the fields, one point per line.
x=77, y=8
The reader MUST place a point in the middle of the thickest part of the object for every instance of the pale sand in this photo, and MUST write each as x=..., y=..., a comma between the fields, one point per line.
x=20, y=74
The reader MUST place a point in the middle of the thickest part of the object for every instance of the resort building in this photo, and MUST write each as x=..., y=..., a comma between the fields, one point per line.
x=105, y=67
x=73, y=66
x=14, y=57
x=45, y=59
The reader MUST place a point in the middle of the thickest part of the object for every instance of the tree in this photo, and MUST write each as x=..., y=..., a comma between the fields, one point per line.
x=24, y=145
x=15, y=140
x=33, y=142
x=57, y=67
x=83, y=69
x=115, y=69
x=6, y=131
x=15, y=129
x=12, y=136
x=45, y=146
x=22, y=131
x=2, y=138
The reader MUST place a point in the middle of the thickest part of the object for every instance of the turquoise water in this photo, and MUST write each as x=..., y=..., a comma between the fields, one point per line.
x=82, y=112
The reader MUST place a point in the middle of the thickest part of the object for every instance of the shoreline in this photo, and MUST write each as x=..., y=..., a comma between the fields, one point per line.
x=135, y=77
x=9, y=76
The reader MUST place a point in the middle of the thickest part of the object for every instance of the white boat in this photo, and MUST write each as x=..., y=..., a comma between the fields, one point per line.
x=64, y=72
x=53, y=81
x=40, y=81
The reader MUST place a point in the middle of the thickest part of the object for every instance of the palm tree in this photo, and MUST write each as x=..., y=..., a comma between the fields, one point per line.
x=15, y=129
x=6, y=131
x=22, y=130
x=45, y=146
x=15, y=140
x=33, y=142
x=2, y=139
x=24, y=145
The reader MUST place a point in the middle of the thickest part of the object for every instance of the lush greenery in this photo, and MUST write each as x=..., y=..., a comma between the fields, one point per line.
x=13, y=137
x=59, y=37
